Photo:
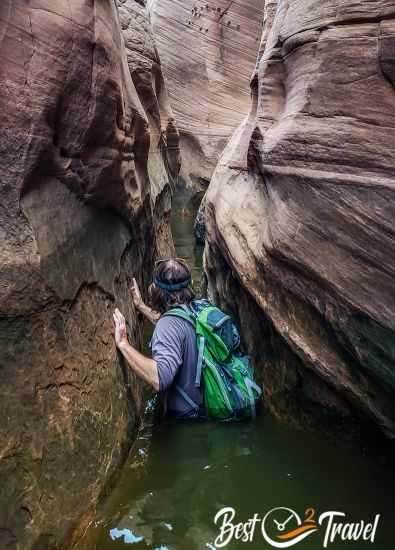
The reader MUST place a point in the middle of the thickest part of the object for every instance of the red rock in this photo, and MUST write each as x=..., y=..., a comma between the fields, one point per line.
x=300, y=215
x=80, y=199
x=207, y=67
x=164, y=158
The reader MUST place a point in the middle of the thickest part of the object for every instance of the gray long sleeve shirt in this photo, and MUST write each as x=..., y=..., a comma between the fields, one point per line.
x=174, y=349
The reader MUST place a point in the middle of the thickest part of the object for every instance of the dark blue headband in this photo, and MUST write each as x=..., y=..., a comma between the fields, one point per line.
x=171, y=287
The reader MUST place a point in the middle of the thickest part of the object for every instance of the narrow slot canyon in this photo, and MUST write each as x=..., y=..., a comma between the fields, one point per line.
x=254, y=139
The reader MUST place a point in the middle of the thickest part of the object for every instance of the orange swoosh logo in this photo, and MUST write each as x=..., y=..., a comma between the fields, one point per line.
x=297, y=531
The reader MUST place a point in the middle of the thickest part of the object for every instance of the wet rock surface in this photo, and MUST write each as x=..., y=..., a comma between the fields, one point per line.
x=199, y=227
x=299, y=216
x=208, y=51
x=83, y=203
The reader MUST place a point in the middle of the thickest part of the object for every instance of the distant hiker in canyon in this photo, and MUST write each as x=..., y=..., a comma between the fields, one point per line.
x=196, y=361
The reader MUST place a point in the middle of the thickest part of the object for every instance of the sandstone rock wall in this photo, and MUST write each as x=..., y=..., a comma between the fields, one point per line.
x=300, y=211
x=81, y=196
x=207, y=50
x=164, y=160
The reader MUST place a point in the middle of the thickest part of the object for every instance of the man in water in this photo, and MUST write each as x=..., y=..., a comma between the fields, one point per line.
x=172, y=369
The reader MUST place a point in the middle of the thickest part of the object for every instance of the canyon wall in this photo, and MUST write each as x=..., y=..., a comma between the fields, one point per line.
x=300, y=216
x=85, y=176
x=164, y=158
x=208, y=51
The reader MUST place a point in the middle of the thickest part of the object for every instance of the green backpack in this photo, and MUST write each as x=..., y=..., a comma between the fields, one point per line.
x=227, y=375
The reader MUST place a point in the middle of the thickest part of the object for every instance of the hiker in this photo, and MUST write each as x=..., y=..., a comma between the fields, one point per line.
x=196, y=354
x=173, y=345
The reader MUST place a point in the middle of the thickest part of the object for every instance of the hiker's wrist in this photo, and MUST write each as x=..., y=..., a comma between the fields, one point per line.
x=142, y=307
x=123, y=344
x=147, y=310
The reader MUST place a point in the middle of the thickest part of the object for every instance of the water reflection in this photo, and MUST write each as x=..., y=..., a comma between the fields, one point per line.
x=168, y=495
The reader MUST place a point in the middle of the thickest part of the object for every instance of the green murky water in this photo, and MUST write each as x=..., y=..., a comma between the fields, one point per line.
x=180, y=475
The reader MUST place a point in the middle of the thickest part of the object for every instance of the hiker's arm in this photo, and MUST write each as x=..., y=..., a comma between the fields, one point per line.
x=144, y=367
x=167, y=347
x=149, y=313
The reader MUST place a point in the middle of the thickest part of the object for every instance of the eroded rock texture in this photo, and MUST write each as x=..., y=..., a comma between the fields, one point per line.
x=164, y=159
x=207, y=50
x=301, y=241
x=80, y=196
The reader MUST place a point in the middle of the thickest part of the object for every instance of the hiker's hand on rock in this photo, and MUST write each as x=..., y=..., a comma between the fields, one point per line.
x=135, y=293
x=121, y=336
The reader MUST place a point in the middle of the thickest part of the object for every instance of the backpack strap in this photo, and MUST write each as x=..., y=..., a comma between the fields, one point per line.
x=222, y=320
x=199, y=365
x=188, y=399
x=184, y=312
x=187, y=308
x=181, y=313
x=250, y=385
